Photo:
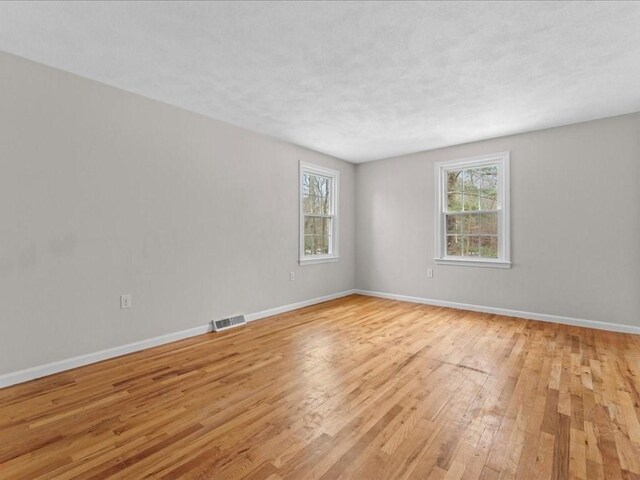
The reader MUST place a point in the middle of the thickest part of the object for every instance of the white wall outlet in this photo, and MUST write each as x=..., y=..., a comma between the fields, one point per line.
x=430, y=272
x=125, y=300
x=292, y=276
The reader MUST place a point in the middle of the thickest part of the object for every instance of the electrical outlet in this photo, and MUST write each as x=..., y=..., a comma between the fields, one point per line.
x=292, y=276
x=125, y=300
x=429, y=272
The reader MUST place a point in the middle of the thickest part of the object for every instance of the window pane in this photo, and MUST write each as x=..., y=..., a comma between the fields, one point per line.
x=490, y=176
x=489, y=224
x=321, y=205
x=472, y=179
x=327, y=244
x=316, y=194
x=472, y=246
x=313, y=185
x=473, y=224
x=323, y=187
x=322, y=226
x=309, y=226
x=454, y=245
x=455, y=224
x=319, y=186
x=317, y=244
x=488, y=188
x=308, y=204
x=313, y=205
x=317, y=204
x=454, y=181
x=324, y=205
x=489, y=246
x=471, y=182
x=454, y=202
x=321, y=244
x=308, y=244
x=469, y=201
x=488, y=202
x=317, y=225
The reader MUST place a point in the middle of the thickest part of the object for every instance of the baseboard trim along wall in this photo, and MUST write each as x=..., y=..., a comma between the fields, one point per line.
x=543, y=317
x=22, y=376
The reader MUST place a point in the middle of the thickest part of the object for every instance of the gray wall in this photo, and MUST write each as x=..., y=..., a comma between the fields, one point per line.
x=103, y=192
x=575, y=225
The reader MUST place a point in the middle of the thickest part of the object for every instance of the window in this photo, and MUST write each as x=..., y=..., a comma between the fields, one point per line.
x=318, y=214
x=472, y=218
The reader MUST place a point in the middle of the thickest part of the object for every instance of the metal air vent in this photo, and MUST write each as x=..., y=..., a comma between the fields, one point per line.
x=226, y=323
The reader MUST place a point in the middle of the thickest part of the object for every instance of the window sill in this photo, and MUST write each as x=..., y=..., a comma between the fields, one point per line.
x=319, y=259
x=473, y=262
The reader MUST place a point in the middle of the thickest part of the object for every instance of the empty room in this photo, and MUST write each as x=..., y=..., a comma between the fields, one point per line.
x=320, y=240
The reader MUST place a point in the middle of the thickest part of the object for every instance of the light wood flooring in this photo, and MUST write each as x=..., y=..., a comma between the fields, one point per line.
x=359, y=388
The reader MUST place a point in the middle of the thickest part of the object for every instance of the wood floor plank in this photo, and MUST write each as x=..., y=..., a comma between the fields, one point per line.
x=356, y=388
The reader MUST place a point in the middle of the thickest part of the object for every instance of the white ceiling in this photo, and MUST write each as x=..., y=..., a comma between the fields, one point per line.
x=357, y=80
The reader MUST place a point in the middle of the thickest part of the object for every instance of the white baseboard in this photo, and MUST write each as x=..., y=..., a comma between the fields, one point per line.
x=21, y=376
x=74, y=362
x=577, y=322
x=294, y=306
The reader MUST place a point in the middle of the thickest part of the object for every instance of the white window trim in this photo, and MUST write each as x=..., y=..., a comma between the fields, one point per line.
x=500, y=159
x=335, y=188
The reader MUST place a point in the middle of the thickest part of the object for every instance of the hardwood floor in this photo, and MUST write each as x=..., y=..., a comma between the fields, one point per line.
x=359, y=387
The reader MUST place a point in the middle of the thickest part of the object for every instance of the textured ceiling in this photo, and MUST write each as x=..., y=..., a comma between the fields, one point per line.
x=357, y=80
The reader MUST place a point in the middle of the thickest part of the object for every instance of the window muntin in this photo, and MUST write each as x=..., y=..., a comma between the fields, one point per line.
x=472, y=216
x=318, y=218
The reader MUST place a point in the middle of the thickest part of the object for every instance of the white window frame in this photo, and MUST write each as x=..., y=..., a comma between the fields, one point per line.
x=334, y=175
x=501, y=160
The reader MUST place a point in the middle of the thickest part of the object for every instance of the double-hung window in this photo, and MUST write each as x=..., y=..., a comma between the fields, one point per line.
x=318, y=214
x=472, y=217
